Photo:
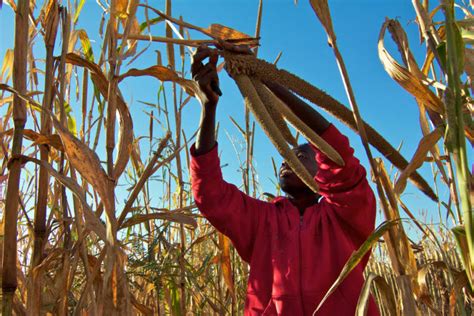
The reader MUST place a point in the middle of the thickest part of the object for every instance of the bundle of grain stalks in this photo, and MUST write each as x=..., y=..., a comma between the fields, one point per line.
x=74, y=241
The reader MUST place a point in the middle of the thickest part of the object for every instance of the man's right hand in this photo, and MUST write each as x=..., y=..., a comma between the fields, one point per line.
x=206, y=75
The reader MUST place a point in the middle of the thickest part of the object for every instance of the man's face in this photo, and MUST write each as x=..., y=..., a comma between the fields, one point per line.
x=289, y=181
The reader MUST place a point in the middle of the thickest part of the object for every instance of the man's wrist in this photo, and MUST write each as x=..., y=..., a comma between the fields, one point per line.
x=211, y=105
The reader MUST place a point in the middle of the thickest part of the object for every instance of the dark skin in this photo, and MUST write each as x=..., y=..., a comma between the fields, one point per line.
x=205, y=75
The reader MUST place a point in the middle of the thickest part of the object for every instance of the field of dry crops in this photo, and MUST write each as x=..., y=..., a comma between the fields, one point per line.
x=70, y=247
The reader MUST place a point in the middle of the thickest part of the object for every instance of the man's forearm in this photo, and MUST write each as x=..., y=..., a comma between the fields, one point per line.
x=206, y=138
x=303, y=110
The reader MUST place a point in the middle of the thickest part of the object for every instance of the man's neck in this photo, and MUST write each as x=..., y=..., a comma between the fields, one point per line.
x=303, y=201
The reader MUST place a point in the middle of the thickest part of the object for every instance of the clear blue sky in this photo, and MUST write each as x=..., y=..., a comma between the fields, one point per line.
x=295, y=31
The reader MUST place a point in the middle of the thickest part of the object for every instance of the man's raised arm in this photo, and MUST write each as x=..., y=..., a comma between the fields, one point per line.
x=232, y=212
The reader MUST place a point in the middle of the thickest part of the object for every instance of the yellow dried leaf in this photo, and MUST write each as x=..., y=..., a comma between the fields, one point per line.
x=87, y=163
x=321, y=9
x=224, y=245
x=410, y=81
x=91, y=220
x=169, y=216
x=164, y=74
x=126, y=123
x=226, y=33
x=398, y=245
x=7, y=66
x=425, y=145
x=121, y=8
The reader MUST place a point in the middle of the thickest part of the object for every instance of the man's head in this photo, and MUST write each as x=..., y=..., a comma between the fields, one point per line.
x=289, y=181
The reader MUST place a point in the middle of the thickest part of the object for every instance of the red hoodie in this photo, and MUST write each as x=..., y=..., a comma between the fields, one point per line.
x=294, y=259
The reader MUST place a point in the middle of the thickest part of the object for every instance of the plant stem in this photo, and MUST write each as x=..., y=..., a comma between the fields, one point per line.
x=9, y=273
x=456, y=138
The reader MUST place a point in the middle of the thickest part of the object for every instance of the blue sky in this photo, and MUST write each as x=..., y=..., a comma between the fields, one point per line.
x=295, y=31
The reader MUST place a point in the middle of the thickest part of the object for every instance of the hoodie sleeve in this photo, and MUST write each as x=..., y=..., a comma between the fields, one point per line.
x=229, y=210
x=346, y=188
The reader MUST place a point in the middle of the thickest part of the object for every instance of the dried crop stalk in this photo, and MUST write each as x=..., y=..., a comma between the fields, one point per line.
x=177, y=115
x=116, y=299
x=51, y=26
x=272, y=101
x=251, y=66
x=255, y=104
x=9, y=272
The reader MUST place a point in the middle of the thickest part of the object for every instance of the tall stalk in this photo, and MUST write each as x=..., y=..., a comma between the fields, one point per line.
x=51, y=24
x=112, y=273
x=9, y=272
x=177, y=116
x=454, y=111
x=67, y=242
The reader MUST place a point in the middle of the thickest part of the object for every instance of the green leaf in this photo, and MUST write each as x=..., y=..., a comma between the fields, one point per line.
x=86, y=45
x=175, y=301
x=151, y=22
x=441, y=49
x=460, y=47
x=459, y=233
x=357, y=256
x=71, y=120
x=78, y=10
x=386, y=295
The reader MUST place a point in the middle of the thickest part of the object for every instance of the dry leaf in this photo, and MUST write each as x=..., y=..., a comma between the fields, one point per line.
x=39, y=139
x=321, y=9
x=226, y=33
x=398, y=245
x=126, y=123
x=86, y=162
x=408, y=80
x=173, y=217
x=7, y=66
x=164, y=74
x=425, y=145
x=224, y=245
x=92, y=222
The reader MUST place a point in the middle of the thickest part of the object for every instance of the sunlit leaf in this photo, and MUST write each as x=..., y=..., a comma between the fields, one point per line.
x=78, y=11
x=407, y=79
x=126, y=123
x=7, y=66
x=86, y=45
x=383, y=289
x=357, y=256
x=168, y=216
x=226, y=33
x=164, y=74
x=224, y=245
x=425, y=145
x=86, y=162
x=92, y=222
x=321, y=9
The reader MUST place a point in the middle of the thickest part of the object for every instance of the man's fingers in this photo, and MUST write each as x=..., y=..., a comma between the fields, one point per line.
x=196, y=68
x=213, y=58
x=203, y=52
x=240, y=49
x=204, y=71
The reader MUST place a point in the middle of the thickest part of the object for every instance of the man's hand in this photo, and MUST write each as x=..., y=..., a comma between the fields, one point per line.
x=206, y=75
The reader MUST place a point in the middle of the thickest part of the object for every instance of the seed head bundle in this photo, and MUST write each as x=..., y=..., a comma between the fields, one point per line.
x=249, y=65
x=254, y=103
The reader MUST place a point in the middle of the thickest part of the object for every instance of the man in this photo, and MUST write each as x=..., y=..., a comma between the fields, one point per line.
x=297, y=245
